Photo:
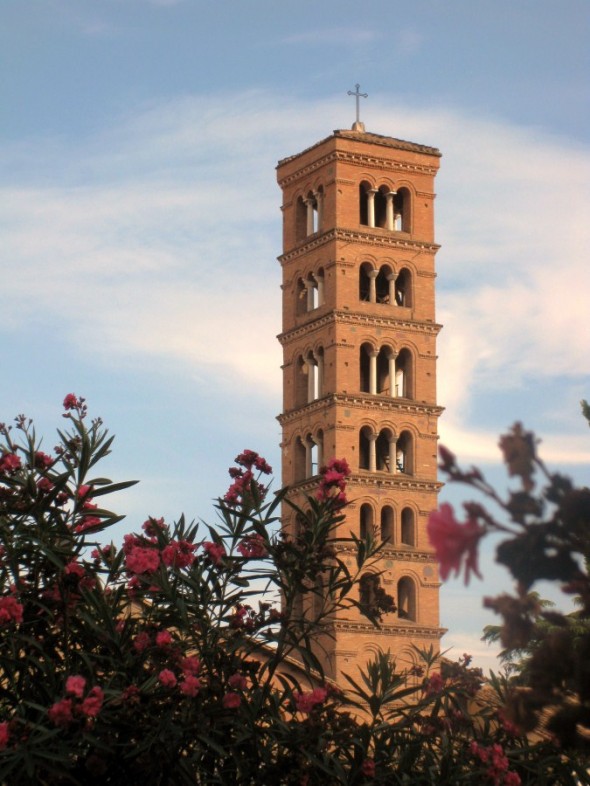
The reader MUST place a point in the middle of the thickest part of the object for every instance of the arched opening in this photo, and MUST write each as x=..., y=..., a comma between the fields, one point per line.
x=368, y=589
x=300, y=219
x=402, y=210
x=406, y=599
x=403, y=288
x=366, y=520
x=365, y=367
x=403, y=374
x=380, y=207
x=319, y=285
x=319, y=377
x=383, y=451
x=383, y=371
x=317, y=451
x=365, y=448
x=299, y=459
x=301, y=298
x=382, y=285
x=365, y=282
x=408, y=533
x=363, y=206
x=387, y=524
x=404, y=453
x=301, y=372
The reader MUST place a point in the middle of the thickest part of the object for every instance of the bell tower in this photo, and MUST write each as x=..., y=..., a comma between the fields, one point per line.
x=359, y=367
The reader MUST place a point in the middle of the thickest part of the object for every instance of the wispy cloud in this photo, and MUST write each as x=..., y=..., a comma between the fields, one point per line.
x=334, y=36
x=155, y=230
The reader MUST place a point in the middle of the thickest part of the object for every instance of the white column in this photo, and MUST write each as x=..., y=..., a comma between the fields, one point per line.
x=391, y=278
x=310, y=380
x=309, y=290
x=371, y=206
x=373, y=453
x=308, y=465
x=319, y=200
x=320, y=280
x=389, y=219
x=373, y=286
x=320, y=360
x=373, y=372
x=309, y=204
x=392, y=378
x=392, y=456
x=320, y=445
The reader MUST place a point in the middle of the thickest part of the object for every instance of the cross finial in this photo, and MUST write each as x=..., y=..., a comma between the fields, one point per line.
x=358, y=126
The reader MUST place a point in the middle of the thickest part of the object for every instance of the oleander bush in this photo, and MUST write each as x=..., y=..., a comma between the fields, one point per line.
x=166, y=660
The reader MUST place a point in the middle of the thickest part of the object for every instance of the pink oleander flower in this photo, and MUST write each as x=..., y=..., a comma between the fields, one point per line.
x=153, y=526
x=238, y=682
x=190, y=685
x=305, y=702
x=512, y=779
x=75, y=685
x=142, y=560
x=333, y=482
x=60, y=713
x=190, y=665
x=167, y=678
x=214, y=551
x=453, y=542
x=42, y=460
x=231, y=700
x=92, y=704
x=73, y=568
x=163, y=638
x=141, y=642
x=86, y=523
x=45, y=485
x=368, y=768
x=178, y=554
x=70, y=401
x=9, y=463
x=253, y=546
x=10, y=610
x=4, y=735
x=434, y=683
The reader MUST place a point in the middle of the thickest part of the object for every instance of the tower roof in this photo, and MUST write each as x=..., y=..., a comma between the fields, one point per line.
x=372, y=139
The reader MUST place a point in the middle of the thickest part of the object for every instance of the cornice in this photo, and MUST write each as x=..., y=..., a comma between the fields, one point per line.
x=357, y=318
x=381, y=480
x=409, y=629
x=370, y=236
x=364, y=401
x=394, y=554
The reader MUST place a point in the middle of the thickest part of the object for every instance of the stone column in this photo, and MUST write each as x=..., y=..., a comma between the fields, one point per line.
x=391, y=278
x=309, y=289
x=320, y=446
x=389, y=218
x=309, y=204
x=310, y=380
x=392, y=378
x=319, y=200
x=320, y=280
x=320, y=372
x=373, y=453
x=373, y=372
x=373, y=286
x=371, y=206
x=308, y=465
x=393, y=455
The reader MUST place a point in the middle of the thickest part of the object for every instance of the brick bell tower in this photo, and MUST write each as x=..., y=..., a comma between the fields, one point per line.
x=359, y=368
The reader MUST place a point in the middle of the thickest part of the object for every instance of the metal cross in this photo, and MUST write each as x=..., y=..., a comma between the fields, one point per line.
x=357, y=95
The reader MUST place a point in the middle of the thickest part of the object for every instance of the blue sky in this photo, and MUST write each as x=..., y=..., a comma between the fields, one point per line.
x=140, y=220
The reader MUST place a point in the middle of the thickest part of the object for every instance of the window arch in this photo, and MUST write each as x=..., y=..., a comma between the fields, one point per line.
x=365, y=438
x=383, y=447
x=384, y=368
x=405, y=453
x=404, y=377
x=301, y=384
x=387, y=524
x=408, y=527
x=406, y=599
x=402, y=210
x=365, y=271
x=403, y=288
x=364, y=188
x=374, y=601
x=365, y=352
x=366, y=520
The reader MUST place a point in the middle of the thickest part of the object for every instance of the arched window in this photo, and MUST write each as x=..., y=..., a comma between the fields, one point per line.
x=299, y=459
x=374, y=601
x=387, y=524
x=365, y=448
x=317, y=451
x=406, y=599
x=405, y=453
x=300, y=219
x=383, y=448
x=403, y=374
x=301, y=387
x=402, y=209
x=380, y=209
x=384, y=367
x=365, y=367
x=366, y=520
x=408, y=533
x=365, y=281
x=382, y=286
x=403, y=288
x=364, y=187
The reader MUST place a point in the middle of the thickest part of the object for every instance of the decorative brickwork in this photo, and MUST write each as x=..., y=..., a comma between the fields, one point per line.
x=359, y=367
